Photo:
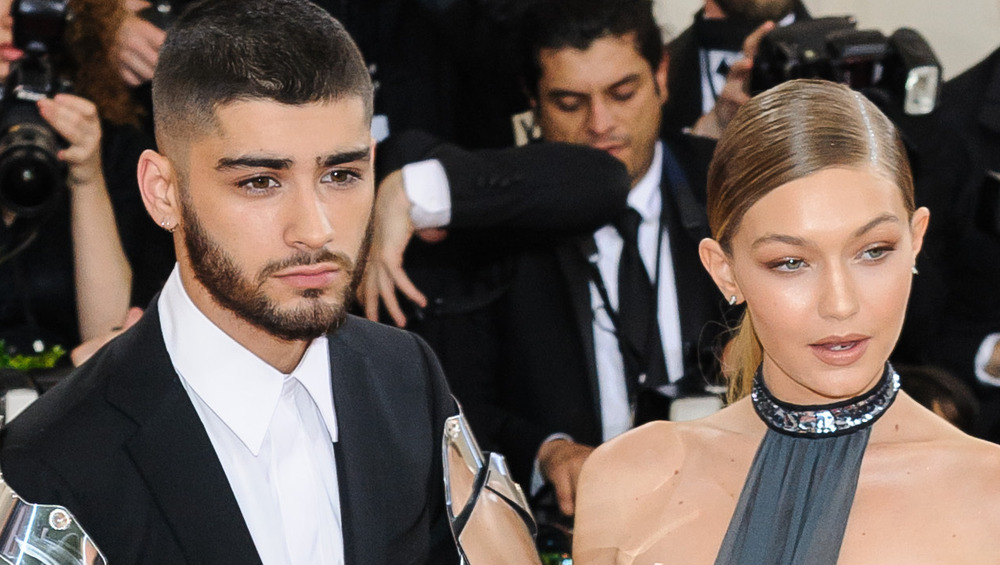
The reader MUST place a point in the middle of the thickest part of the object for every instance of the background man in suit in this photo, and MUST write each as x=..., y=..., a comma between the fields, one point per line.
x=541, y=369
x=246, y=418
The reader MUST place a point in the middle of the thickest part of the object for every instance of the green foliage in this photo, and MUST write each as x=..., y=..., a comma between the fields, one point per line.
x=44, y=360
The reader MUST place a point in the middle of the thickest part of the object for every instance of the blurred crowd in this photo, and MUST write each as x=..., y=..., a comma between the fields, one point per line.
x=542, y=168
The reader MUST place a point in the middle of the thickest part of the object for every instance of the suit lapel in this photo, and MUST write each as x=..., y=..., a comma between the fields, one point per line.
x=574, y=260
x=358, y=469
x=173, y=453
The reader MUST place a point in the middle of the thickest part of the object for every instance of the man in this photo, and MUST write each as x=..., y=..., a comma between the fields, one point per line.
x=246, y=418
x=710, y=62
x=544, y=375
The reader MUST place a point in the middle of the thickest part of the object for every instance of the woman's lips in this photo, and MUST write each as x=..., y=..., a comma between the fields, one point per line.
x=840, y=351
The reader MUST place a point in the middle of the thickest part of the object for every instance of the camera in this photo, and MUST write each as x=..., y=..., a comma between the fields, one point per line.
x=901, y=68
x=31, y=176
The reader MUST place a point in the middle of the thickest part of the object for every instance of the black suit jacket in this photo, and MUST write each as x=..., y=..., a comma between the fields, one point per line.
x=120, y=444
x=529, y=367
x=955, y=296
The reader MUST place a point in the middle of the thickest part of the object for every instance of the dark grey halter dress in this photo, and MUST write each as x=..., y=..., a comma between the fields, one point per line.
x=798, y=494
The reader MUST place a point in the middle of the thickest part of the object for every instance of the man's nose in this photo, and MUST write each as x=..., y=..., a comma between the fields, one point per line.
x=600, y=120
x=309, y=225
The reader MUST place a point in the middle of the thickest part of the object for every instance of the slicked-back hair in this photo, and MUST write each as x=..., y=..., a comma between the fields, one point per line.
x=789, y=132
x=557, y=24
x=223, y=51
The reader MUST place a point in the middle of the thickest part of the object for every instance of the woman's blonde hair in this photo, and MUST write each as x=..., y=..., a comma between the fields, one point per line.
x=789, y=132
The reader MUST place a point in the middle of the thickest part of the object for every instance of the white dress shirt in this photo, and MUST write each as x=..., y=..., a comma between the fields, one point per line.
x=645, y=198
x=273, y=433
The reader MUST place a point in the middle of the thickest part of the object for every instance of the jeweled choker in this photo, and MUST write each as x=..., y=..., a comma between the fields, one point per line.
x=825, y=420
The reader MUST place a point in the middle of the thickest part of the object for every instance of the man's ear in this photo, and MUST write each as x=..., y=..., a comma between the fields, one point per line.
x=158, y=185
x=660, y=77
x=717, y=263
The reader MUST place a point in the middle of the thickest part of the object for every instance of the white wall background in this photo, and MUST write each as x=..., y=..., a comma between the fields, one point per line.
x=962, y=32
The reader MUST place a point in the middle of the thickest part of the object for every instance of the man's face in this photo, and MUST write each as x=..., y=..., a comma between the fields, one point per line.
x=606, y=97
x=275, y=205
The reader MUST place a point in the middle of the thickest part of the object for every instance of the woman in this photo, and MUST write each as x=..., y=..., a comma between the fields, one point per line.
x=811, y=209
x=74, y=280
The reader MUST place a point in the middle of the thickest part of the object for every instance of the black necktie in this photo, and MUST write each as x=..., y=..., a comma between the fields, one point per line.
x=639, y=334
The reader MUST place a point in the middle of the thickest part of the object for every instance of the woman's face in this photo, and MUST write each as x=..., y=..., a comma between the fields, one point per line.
x=825, y=264
x=8, y=53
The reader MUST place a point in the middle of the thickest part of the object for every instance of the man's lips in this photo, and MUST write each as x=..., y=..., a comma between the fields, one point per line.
x=840, y=350
x=309, y=276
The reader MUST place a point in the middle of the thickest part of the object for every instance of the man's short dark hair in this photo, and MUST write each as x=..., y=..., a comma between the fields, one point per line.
x=221, y=51
x=557, y=24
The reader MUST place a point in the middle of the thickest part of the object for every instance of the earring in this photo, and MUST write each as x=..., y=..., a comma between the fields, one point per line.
x=165, y=225
x=915, y=271
x=732, y=300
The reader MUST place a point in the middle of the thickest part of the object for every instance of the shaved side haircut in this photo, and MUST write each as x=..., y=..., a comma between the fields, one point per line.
x=223, y=51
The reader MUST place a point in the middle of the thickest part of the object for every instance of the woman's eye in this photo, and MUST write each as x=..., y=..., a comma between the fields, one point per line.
x=876, y=253
x=788, y=264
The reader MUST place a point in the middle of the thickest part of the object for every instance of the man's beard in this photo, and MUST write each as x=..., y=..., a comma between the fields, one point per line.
x=756, y=10
x=232, y=289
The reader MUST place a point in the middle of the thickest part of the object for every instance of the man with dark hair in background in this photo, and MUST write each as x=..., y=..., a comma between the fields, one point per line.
x=247, y=418
x=558, y=362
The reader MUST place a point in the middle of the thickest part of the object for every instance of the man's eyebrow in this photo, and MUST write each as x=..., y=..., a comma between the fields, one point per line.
x=253, y=162
x=344, y=157
x=561, y=92
x=884, y=218
x=634, y=77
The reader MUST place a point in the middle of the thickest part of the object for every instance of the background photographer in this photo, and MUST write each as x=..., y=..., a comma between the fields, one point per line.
x=70, y=278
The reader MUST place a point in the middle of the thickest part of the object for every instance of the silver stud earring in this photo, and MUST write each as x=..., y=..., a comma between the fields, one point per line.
x=732, y=300
x=915, y=271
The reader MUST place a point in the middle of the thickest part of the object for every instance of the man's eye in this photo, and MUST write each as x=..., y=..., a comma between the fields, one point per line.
x=623, y=95
x=568, y=104
x=341, y=176
x=257, y=184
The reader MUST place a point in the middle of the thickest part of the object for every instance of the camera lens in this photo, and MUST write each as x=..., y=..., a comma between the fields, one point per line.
x=30, y=174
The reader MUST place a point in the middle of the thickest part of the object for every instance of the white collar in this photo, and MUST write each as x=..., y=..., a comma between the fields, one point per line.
x=645, y=195
x=238, y=386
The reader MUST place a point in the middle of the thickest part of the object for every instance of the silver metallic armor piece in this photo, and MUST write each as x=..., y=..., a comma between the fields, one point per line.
x=487, y=510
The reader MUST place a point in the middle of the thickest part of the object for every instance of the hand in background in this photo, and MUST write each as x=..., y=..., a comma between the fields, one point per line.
x=736, y=91
x=77, y=121
x=392, y=232
x=138, y=45
x=560, y=462
x=85, y=350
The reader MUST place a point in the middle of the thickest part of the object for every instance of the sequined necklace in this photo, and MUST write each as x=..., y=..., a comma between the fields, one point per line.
x=829, y=420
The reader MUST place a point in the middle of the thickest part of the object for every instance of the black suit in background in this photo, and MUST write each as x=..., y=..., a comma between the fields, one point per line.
x=120, y=444
x=524, y=366
x=963, y=240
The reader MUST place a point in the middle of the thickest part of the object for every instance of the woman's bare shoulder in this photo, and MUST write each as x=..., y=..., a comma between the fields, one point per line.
x=646, y=452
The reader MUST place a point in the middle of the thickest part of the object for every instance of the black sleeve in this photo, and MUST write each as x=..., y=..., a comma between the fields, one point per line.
x=542, y=187
x=442, y=543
